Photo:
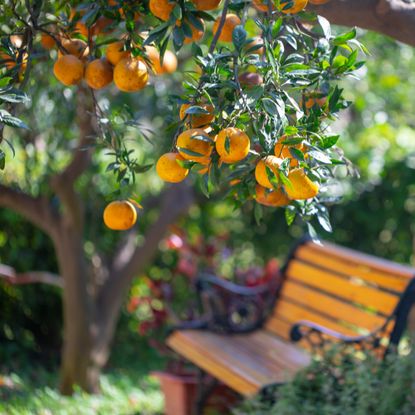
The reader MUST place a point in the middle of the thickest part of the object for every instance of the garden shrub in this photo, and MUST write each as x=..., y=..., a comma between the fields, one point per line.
x=349, y=385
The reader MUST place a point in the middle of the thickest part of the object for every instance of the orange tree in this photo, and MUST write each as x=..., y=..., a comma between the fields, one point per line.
x=250, y=123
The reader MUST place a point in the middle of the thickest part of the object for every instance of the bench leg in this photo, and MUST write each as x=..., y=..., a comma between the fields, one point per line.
x=205, y=387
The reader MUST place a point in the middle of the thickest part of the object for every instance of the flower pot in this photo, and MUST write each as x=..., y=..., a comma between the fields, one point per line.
x=179, y=392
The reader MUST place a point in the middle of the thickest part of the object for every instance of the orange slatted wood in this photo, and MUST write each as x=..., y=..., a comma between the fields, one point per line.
x=294, y=313
x=383, y=273
x=327, y=304
x=347, y=289
x=246, y=362
x=279, y=326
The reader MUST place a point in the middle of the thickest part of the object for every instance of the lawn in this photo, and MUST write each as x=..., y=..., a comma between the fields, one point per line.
x=27, y=388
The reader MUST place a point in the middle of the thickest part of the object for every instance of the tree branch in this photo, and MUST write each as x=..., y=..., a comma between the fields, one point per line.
x=394, y=18
x=36, y=210
x=63, y=182
x=31, y=277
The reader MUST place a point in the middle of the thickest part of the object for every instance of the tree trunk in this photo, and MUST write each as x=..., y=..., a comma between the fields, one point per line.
x=78, y=315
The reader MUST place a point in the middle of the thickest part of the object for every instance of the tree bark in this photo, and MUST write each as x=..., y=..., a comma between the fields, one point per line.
x=394, y=18
x=78, y=311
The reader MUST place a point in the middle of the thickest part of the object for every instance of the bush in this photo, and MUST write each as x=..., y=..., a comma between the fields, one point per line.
x=346, y=386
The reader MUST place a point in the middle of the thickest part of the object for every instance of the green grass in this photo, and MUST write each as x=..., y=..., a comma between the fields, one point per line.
x=127, y=387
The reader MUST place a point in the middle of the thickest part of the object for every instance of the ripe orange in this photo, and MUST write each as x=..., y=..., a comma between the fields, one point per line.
x=169, y=170
x=115, y=52
x=195, y=144
x=273, y=198
x=261, y=5
x=315, y=100
x=261, y=175
x=197, y=34
x=297, y=6
x=198, y=120
x=130, y=74
x=283, y=151
x=161, y=8
x=169, y=61
x=47, y=41
x=206, y=4
x=120, y=215
x=98, y=73
x=250, y=79
x=232, y=145
x=232, y=20
x=301, y=186
x=69, y=70
x=76, y=47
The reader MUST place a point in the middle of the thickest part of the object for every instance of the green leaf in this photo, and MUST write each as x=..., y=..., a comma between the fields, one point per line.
x=13, y=95
x=272, y=177
x=290, y=215
x=5, y=81
x=312, y=232
x=143, y=168
x=285, y=180
x=189, y=152
x=325, y=25
x=258, y=213
x=324, y=219
x=329, y=141
x=276, y=27
x=204, y=185
x=2, y=160
x=319, y=156
x=343, y=38
x=239, y=37
x=195, y=109
x=227, y=144
x=8, y=119
x=297, y=154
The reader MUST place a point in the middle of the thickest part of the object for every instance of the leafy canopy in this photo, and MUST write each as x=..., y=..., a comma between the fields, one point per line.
x=275, y=78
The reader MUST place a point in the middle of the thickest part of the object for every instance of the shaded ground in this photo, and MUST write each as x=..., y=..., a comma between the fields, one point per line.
x=27, y=388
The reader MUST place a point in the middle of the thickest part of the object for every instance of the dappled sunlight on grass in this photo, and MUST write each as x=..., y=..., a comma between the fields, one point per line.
x=34, y=393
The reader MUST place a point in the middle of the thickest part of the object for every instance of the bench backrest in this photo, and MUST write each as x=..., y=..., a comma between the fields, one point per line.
x=336, y=287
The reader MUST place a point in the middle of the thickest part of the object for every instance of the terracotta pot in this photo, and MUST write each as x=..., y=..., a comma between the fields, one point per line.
x=179, y=392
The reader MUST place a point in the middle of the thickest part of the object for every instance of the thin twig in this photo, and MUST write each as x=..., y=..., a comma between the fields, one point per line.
x=220, y=26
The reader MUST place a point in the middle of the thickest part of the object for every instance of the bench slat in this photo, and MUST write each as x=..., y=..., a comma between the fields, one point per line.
x=279, y=327
x=383, y=273
x=326, y=304
x=344, y=288
x=246, y=363
x=294, y=313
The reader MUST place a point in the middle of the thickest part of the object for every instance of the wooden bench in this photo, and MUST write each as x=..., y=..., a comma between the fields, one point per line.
x=250, y=339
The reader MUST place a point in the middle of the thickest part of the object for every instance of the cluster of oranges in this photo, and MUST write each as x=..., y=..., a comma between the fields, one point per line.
x=194, y=145
x=233, y=145
x=129, y=73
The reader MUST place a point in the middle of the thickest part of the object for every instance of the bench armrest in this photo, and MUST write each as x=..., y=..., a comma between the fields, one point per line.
x=204, y=280
x=232, y=308
x=318, y=336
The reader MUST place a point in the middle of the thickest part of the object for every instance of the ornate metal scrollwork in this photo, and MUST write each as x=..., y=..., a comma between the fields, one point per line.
x=230, y=308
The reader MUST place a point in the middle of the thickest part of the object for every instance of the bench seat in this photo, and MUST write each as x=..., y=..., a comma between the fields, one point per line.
x=244, y=362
